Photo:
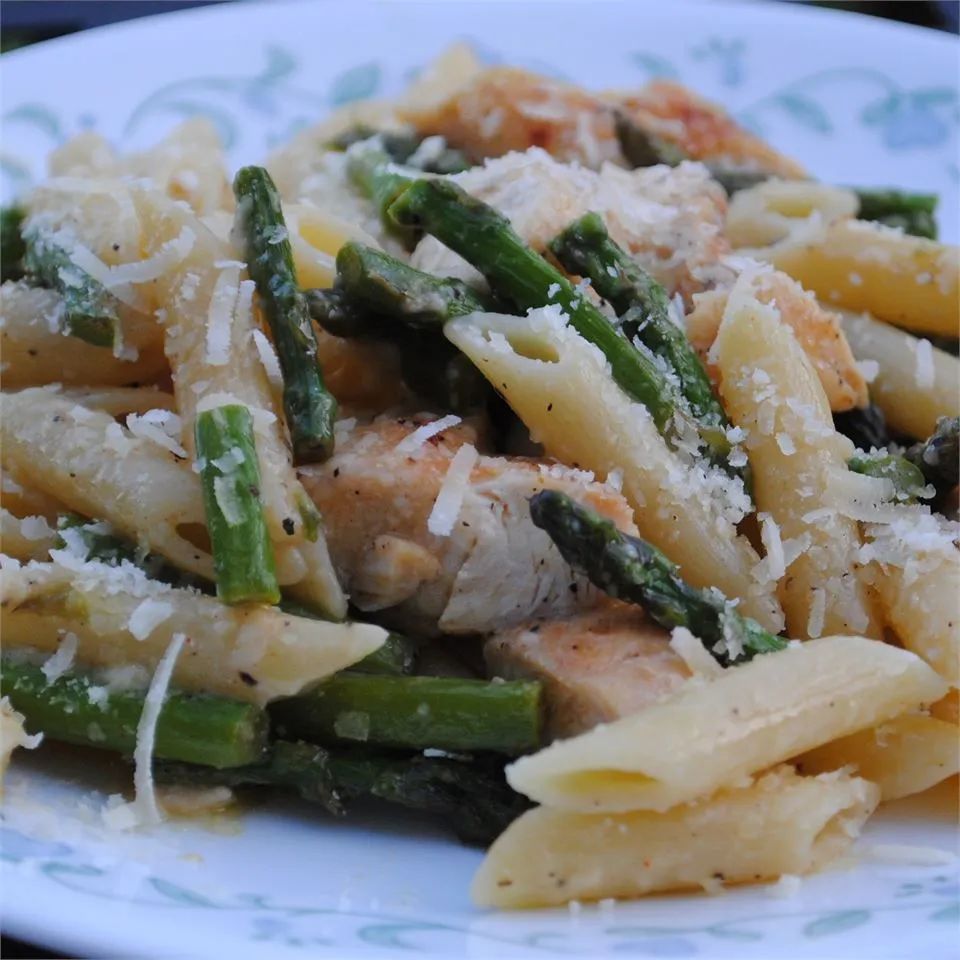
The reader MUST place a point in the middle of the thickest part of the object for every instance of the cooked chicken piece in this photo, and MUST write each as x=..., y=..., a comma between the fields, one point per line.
x=596, y=666
x=818, y=331
x=503, y=109
x=364, y=372
x=671, y=219
x=701, y=129
x=495, y=568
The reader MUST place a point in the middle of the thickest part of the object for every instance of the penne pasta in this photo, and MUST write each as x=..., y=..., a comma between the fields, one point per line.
x=779, y=824
x=559, y=386
x=26, y=538
x=770, y=390
x=709, y=735
x=914, y=384
x=907, y=281
x=906, y=755
x=119, y=617
x=87, y=461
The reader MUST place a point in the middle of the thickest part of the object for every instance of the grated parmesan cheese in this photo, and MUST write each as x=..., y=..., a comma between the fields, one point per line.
x=417, y=438
x=223, y=303
x=225, y=494
x=35, y=528
x=694, y=654
x=146, y=801
x=818, y=609
x=147, y=616
x=161, y=427
x=449, y=500
x=62, y=660
x=268, y=357
x=924, y=372
x=869, y=370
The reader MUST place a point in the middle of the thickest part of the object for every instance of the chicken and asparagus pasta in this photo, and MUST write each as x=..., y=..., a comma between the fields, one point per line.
x=570, y=466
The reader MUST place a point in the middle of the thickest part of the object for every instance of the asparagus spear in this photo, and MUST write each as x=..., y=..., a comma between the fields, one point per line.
x=585, y=248
x=242, y=551
x=375, y=282
x=309, y=407
x=90, y=311
x=485, y=238
x=908, y=481
x=641, y=148
x=416, y=712
x=193, y=728
x=913, y=212
x=938, y=457
x=631, y=569
x=372, y=171
x=402, y=146
x=12, y=247
x=471, y=793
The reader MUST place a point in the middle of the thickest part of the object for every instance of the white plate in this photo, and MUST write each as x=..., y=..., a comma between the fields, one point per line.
x=858, y=100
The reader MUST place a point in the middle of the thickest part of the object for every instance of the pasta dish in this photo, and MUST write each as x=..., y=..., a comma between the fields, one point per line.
x=570, y=466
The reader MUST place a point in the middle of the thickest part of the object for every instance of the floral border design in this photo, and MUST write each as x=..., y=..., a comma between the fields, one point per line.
x=934, y=899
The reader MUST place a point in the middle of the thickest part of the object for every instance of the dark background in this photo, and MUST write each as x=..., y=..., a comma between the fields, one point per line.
x=28, y=21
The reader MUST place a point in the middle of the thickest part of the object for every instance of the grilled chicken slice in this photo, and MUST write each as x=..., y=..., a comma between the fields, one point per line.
x=670, y=218
x=817, y=330
x=495, y=569
x=503, y=109
x=701, y=129
x=596, y=666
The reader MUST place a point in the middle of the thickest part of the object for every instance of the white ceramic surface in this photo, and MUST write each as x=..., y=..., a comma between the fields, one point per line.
x=858, y=100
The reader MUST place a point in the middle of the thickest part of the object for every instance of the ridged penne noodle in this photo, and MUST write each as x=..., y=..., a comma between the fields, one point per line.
x=906, y=755
x=12, y=735
x=34, y=350
x=780, y=824
x=315, y=238
x=119, y=401
x=219, y=355
x=119, y=617
x=919, y=590
x=21, y=498
x=709, y=735
x=558, y=384
x=915, y=383
x=908, y=281
x=773, y=210
x=948, y=708
x=26, y=538
x=86, y=155
x=94, y=466
x=771, y=391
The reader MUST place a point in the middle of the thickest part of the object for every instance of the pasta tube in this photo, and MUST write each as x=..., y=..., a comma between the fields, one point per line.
x=915, y=383
x=709, y=735
x=907, y=755
x=780, y=824
x=119, y=617
x=559, y=385
x=771, y=391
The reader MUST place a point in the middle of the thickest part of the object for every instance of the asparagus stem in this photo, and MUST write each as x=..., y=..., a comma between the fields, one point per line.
x=376, y=282
x=402, y=147
x=485, y=238
x=242, y=551
x=938, y=457
x=641, y=148
x=193, y=728
x=12, y=248
x=908, y=481
x=372, y=171
x=470, y=793
x=631, y=569
x=310, y=408
x=89, y=310
x=417, y=712
x=585, y=248
x=913, y=212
